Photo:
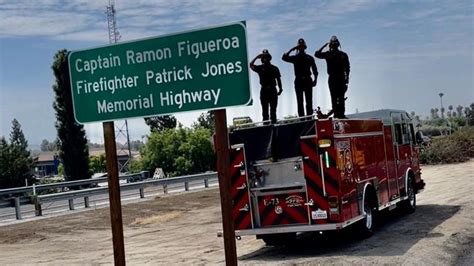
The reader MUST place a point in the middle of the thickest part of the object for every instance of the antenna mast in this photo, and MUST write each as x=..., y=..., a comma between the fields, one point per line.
x=114, y=35
x=121, y=131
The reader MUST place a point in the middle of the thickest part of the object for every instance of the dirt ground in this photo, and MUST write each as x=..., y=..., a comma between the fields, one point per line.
x=181, y=229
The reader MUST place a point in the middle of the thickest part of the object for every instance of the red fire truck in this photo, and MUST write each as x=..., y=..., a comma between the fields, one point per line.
x=322, y=174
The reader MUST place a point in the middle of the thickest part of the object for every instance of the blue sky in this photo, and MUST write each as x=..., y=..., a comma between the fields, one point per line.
x=402, y=53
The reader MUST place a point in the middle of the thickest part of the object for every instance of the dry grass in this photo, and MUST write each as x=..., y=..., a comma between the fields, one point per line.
x=457, y=147
x=157, y=219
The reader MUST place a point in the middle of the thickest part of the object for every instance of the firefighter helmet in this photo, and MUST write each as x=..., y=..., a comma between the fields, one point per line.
x=334, y=41
x=266, y=54
x=301, y=42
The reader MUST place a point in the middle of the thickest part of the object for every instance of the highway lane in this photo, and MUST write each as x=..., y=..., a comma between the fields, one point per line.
x=7, y=214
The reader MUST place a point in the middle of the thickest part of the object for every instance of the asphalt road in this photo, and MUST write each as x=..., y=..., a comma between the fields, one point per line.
x=7, y=214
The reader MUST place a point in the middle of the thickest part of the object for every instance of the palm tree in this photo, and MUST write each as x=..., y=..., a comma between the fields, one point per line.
x=442, y=108
x=459, y=110
x=467, y=111
x=450, y=108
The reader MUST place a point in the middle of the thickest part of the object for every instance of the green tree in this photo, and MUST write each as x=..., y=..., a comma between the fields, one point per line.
x=470, y=115
x=97, y=164
x=162, y=149
x=48, y=146
x=205, y=120
x=44, y=145
x=459, y=110
x=159, y=123
x=135, y=166
x=135, y=145
x=432, y=112
x=179, y=151
x=5, y=162
x=61, y=169
x=196, y=154
x=449, y=114
x=17, y=163
x=73, y=148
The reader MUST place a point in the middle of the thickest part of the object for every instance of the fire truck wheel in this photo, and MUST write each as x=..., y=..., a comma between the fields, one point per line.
x=367, y=224
x=277, y=239
x=409, y=205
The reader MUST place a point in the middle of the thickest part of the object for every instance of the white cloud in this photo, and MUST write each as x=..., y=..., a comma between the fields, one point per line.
x=30, y=22
x=379, y=35
x=50, y=18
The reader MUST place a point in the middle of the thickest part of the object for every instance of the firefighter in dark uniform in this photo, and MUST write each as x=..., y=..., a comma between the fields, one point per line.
x=338, y=70
x=303, y=66
x=269, y=78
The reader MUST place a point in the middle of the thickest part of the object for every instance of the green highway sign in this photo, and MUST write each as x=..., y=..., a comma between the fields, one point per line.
x=198, y=70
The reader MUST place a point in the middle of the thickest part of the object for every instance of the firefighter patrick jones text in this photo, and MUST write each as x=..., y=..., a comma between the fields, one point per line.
x=162, y=83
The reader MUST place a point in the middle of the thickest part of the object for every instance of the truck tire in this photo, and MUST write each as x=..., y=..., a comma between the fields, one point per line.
x=409, y=205
x=277, y=239
x=366, y=226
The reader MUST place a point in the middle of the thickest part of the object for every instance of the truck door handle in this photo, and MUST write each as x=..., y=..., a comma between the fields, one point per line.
x=244, y=186
x=245, y=208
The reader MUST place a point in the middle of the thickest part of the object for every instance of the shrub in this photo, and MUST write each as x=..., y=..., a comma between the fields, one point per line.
x=457, y=147
x=433, y=131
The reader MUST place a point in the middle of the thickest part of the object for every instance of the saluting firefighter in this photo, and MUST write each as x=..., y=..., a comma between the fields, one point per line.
x=269, y=79
x=338, y=68
x=303, y=65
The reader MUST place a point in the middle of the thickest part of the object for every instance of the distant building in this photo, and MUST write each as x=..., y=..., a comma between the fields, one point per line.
x=48, y=162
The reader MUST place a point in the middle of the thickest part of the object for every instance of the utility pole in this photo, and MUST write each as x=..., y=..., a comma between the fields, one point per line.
x=121, y=129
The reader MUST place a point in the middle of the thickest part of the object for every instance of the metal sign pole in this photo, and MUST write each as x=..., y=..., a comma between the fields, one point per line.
x=114, y=193
x=222, y=151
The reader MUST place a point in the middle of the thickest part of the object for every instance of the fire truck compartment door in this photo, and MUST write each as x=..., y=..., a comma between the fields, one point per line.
x=241, y=207
x=284, y=208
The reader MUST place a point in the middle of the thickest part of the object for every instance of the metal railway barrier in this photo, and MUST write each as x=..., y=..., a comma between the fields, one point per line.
x=85, y=182
x=15, y=196
x=84, y=194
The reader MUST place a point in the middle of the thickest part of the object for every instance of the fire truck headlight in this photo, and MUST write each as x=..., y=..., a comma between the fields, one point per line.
x=324, y=143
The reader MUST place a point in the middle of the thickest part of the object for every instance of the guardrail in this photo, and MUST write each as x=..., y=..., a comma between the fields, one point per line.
x=38, y=200
x=93, y=181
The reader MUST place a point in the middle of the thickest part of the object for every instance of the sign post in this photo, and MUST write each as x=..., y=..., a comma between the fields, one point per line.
x=114, y=193
x=197, y=70
x=222, y=151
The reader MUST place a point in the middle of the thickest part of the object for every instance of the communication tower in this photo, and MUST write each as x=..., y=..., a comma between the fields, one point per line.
x=121, y=129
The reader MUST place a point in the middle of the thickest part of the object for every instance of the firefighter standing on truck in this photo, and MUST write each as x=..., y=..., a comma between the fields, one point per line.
x=269, y=77
x=303, y=66
x=338, y=70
